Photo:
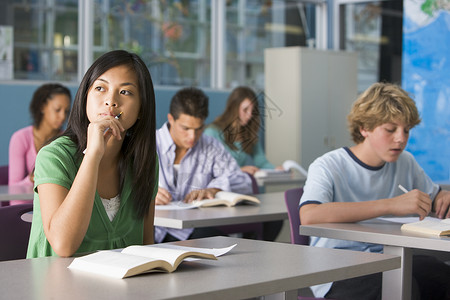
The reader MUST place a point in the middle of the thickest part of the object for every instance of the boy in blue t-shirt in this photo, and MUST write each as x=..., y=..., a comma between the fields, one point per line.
x=361, y=182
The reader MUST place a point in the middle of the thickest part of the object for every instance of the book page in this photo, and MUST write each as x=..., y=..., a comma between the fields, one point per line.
x=221, y=198
x=406, y=220
x=290, y=164
x=262, y=173
x=234, y=197
x=214, y=251
x=272, y=171
x=170, y=253
x=167, y=254
x=138, y=259
x=230, y=196
x=110, y=263
x=178, y=205
x=433, y=226
x=211, y=202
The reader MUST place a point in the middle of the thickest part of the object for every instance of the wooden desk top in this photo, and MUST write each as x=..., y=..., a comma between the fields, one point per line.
x=253, y=268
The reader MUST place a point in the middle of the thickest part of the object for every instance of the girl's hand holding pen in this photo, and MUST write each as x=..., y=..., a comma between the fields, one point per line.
x=101, y=130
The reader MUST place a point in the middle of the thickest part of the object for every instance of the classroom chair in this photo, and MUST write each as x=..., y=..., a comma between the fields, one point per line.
x=4, y=175
x=15, y=226
x=292, y=199
x=4, y=181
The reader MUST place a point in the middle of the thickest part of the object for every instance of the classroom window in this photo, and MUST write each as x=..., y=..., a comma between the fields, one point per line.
x=45, y=38
x=374, y=30
x=255, y=25
x=173, y=37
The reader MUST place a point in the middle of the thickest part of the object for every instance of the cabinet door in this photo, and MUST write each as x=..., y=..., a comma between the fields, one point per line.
x=343, y=91
x=313, y=91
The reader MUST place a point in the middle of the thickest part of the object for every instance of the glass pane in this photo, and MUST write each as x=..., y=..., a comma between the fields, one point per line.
x=373, y=30
x=45, y=38
x=362, y=34
x=26, y=63
x=172, y=37
x=66, y=28
x=29, y=24
x=65, y=65
x=253, y=26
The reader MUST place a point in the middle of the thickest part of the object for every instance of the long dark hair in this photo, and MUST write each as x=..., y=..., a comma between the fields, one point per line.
x=228, y=122
x=139, y=146
x=41, y=96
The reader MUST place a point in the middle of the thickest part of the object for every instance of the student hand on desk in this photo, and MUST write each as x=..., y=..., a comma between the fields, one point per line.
x=442, y=205
x=201, y=194
x=413, y=202
x=163, y=197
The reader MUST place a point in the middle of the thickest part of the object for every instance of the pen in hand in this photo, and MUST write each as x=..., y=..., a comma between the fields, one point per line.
x=117, y=118
x=106, y=130
x=404, y=190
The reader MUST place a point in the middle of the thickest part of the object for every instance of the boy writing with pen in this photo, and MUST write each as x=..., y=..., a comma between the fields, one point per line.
x=362, y=182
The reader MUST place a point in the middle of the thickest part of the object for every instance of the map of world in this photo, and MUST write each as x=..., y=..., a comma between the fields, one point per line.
x=426, y=76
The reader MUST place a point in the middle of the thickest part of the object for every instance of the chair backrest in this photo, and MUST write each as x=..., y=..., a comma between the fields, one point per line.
x=15, y=226
x=4, y=181
x=292, y=199
x=255, y=187
x=4, y=175
x=256, y=228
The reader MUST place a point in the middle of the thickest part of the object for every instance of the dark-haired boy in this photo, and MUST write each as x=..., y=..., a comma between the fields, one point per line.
x=193, y=166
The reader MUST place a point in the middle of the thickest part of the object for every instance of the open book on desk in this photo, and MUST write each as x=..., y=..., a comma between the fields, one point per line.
x=135, y=260
x=429, y=225
x=221, y=198
x=288, y=165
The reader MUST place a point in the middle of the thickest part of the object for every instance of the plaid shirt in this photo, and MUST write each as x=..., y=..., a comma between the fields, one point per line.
x=206, y=165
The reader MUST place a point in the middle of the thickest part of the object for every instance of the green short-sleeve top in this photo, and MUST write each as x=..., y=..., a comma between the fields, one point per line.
x=56, y=163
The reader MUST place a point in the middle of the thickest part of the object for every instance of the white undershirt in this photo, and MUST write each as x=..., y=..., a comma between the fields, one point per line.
x=111, y=206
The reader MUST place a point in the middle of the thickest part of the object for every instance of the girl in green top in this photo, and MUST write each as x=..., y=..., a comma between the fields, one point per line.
x=95, y=185
x=237, y=128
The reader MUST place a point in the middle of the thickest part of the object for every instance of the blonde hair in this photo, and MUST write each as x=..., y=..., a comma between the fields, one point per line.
x=381, y=103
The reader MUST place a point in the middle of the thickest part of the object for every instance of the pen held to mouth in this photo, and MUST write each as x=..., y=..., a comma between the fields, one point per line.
x=106, y=130
x=116, y=117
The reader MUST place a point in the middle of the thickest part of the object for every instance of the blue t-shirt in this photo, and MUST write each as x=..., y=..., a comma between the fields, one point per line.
x=339, y=176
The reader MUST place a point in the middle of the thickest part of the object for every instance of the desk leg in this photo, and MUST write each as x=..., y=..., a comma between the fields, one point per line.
x=288, y=295
x=397, y=283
